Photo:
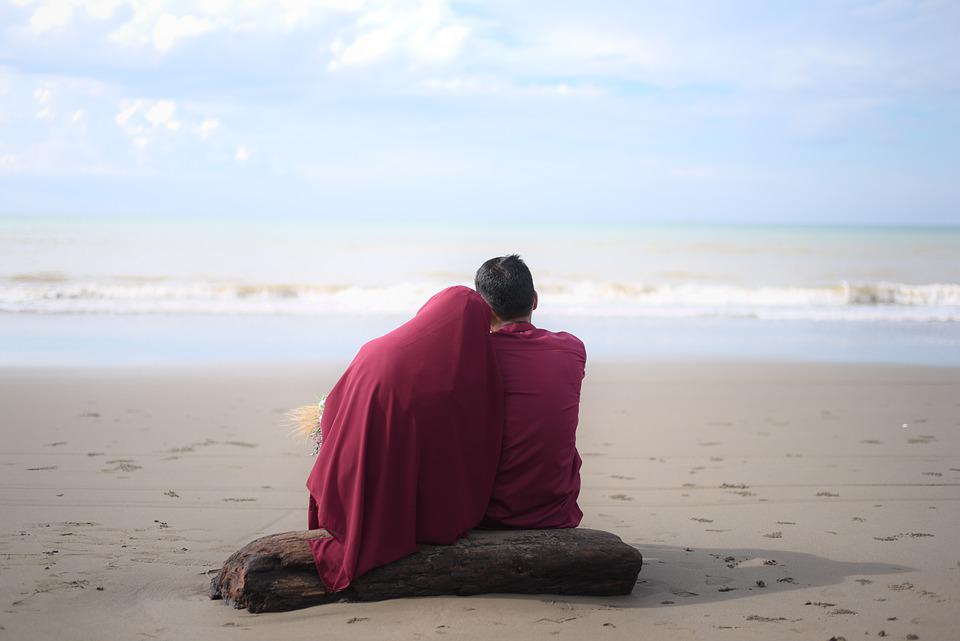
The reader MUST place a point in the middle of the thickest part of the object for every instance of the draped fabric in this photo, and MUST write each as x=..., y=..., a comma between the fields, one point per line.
x=411, y=440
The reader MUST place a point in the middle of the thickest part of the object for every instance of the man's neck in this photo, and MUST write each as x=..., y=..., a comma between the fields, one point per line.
x=496, y=324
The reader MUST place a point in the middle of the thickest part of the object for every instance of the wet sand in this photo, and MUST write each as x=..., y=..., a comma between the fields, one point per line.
x=769, y=500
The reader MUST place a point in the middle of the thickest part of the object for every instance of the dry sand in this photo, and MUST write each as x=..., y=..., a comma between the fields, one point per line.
x=769, y=500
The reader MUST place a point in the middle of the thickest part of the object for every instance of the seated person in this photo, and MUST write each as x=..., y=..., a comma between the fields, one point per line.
x=538, y=476
x=460, y=417
x=411, y=438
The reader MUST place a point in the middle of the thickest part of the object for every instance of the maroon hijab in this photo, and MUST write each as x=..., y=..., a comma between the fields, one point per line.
x=411, y=440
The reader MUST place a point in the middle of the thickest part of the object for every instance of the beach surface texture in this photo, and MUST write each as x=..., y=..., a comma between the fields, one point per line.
x=769, y=500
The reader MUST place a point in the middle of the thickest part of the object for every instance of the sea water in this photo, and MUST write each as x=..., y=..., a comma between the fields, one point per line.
x=141, y=291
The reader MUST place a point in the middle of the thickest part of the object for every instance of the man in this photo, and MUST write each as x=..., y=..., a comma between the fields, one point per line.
x=538, y=477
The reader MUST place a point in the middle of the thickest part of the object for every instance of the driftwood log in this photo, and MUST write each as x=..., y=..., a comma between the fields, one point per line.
x=277, y=572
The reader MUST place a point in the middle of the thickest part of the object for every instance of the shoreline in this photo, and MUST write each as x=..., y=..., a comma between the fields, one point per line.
x=605, y=365
x=258, y=341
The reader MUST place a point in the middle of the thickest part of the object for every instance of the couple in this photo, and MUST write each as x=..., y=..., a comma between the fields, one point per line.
x=463, y=417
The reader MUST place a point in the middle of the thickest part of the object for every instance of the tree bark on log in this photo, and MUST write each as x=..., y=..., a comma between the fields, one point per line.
x=277, y=572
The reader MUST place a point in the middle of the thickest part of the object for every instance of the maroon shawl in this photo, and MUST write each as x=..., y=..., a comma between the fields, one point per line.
x=411, y=440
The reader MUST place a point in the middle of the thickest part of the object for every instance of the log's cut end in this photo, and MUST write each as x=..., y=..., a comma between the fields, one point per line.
x=277, y=572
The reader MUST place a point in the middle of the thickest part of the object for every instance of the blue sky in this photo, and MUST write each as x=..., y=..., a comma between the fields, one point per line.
x=784, y=112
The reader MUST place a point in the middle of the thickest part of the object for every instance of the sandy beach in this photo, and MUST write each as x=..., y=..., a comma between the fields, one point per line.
x=770, y=500
x=748, y=213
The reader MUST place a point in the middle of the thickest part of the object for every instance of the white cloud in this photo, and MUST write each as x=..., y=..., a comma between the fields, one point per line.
x=54, y=14
x=163, y=114
x=42, y=95
x=143, y=120
x=465, y=85
x=169, y=29
x=427, y=33
x=78, y=116
x=162, y=25
x=242, y=154
x=366, y=48
x=50, y=15
x=491, y=85
x=127, y=110
x=664, y=47
x=101, y=9
x=681, y=55
x=582, y=50
x=563, y=90
x=207, y=128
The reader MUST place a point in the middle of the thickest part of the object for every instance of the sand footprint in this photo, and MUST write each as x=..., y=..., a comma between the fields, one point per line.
x=121, y=465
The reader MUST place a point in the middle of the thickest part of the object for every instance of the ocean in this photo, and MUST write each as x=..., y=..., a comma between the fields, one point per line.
x=138, y=291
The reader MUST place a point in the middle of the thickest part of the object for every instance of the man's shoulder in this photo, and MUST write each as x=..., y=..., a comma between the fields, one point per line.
x=545, y=337
x=568, y=339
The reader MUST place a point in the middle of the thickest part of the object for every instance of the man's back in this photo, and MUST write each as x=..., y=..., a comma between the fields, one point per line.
x=538, y=479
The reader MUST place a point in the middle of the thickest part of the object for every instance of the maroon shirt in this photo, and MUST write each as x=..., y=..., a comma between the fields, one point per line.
x=538, y=478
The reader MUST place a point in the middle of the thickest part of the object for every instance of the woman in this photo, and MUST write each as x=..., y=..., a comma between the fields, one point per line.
x=411, y=439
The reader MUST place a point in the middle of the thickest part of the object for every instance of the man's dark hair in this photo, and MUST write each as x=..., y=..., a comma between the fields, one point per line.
x=507, y=286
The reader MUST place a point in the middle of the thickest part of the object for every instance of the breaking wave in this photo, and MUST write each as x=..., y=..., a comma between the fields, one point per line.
x=880, y=301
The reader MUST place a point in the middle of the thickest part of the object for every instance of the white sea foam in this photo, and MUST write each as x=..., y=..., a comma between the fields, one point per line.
x=879, y=301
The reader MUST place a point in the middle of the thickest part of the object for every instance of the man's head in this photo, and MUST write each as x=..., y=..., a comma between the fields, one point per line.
x=507, y=286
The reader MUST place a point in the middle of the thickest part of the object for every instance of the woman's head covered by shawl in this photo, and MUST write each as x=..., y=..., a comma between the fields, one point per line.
x=411, y=440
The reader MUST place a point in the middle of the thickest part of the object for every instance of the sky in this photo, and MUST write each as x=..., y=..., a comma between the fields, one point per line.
x=821, y=111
